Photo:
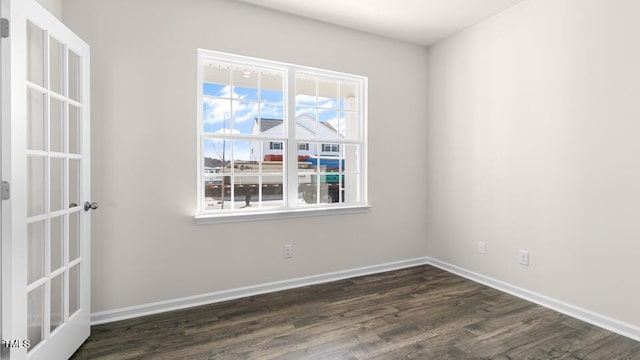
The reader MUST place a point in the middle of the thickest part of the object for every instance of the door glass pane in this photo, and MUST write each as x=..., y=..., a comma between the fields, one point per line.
x=74, y=76
x=56, y=167
x=35, y=185
x=57, y=301
x=57, y=241
x=74, y=235
x=35, y=310
x=74, y=289
x=56, y=120
x=55, y=65
x=74, y=130
x=35, y=54
x=35, y=120
x=74, y=183
x=35, y=251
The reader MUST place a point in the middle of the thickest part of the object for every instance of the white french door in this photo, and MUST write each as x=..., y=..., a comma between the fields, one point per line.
x=46, y=159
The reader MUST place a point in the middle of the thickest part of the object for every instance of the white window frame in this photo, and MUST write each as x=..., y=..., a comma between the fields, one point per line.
x=290, y=146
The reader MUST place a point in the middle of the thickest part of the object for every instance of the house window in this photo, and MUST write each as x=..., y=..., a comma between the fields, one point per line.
x=330, y=148
x=267, y=127
x=275, y=145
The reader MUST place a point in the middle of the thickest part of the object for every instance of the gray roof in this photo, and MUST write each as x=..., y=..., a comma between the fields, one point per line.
x=266, y=124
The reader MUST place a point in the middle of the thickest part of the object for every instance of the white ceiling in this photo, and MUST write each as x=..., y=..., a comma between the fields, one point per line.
x=422, y=22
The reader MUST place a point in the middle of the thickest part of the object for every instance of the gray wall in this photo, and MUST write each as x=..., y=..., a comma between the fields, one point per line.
x=532, y=143
x=54, y=7
x=146, y=247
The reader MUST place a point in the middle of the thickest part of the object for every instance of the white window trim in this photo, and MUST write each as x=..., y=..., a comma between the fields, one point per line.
x=291, y=144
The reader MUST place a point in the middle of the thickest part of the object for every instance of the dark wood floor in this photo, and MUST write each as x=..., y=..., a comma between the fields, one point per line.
x=417, y=313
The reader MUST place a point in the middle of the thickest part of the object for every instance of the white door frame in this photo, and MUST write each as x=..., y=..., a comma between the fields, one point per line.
x=5, y=220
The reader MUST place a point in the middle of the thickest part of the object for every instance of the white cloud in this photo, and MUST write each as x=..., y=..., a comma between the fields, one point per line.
x=306, y=111
x=226, y=131
x=216, y=110
x=219, y=110
x=305, y=99
x=327, y=103
x=249, y=111
x=302, y=99
x=271, y=111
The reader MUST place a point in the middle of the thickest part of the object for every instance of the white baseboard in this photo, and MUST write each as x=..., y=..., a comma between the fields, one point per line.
x=616, y=326
x=219, y=296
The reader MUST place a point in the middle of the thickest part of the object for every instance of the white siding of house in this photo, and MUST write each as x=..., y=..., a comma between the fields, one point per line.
x=305, y=126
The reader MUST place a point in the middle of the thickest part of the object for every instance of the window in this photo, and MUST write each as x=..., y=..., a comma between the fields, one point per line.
x=275, y=145
x=330, y=148
x=280, y=137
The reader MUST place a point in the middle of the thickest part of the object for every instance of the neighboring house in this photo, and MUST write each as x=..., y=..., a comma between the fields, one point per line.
x=305, y=127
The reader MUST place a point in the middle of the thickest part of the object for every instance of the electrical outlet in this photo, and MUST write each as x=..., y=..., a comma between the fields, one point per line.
x=523, y=257
x=287, y=251
x=482, y=247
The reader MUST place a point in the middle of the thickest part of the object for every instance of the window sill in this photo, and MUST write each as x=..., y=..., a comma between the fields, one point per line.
x=205, y=219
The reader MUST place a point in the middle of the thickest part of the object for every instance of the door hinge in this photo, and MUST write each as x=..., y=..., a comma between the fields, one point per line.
x=6, y=190
x=4, y=28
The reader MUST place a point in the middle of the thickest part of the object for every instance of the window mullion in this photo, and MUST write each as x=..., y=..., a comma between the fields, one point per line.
x=291, y=168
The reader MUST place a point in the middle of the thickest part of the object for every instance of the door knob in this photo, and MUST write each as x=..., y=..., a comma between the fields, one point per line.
x=90, y=206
